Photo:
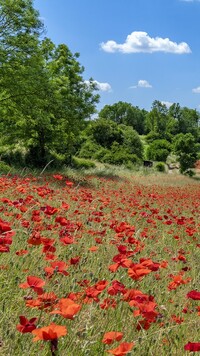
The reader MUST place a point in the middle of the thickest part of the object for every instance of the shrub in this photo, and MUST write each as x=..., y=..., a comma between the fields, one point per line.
x=158, y=150
x=119, y=155
x=89, y=149
x=101, y=153
x=160, y=167
x=152, y=136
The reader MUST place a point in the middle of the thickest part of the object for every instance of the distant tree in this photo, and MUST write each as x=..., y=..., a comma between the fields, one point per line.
x=159, y=122
x=186, y=120
x=186, y=148
x=125, y=113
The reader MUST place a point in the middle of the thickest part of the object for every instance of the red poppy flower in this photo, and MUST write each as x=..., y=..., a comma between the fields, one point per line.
x=93, y=248
x=35, y=283
x=58, y=176
x=108, y=303
x=4, y=226
x=50, y=210
x=112, y=336
x=74, y=260
x=26, y=326
x=50, y=332
x=194, y=295
x=192, y=346
x=69, y=184
x=137, y=272
x=67, y=308
x=21, y=252
x=122, y=349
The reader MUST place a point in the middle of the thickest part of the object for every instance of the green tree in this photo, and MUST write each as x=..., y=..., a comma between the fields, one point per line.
x=44, y=99
x=131, y=141
x=158, y=121
x=125, y=113
x=186, y=148
x=186, y=120
x=104, y=132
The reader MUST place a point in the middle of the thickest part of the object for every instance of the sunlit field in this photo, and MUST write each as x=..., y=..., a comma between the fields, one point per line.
x=99, y=265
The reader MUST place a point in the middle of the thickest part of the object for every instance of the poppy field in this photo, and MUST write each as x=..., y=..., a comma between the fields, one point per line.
x=100, y=266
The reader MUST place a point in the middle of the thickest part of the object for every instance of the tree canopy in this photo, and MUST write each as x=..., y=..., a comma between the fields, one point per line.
x=125, y=113
x=44, y=98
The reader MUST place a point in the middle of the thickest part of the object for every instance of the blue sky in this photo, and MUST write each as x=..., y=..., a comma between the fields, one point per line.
x=137, y=51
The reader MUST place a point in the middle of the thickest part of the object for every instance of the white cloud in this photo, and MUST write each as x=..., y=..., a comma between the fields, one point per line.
x=141, y=84
x=167, y=103
x=196, y=90
x=101, y=86
x=190, y=0
x=139, y=41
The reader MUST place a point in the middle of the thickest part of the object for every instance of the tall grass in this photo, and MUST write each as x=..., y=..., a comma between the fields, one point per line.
x=107, y=227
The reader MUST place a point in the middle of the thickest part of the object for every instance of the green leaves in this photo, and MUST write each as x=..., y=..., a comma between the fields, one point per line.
x=44, y=99
x=186, y=148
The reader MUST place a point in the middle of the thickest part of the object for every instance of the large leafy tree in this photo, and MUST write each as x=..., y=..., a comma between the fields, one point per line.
x=43, y=97
x=125, y=113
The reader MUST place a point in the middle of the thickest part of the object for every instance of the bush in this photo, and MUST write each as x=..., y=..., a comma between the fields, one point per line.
x=101, y=153
x=79, y=163
x=160, y=167
x=89, y=149
x=119, y=155
x=152, y=136
x=158, y=150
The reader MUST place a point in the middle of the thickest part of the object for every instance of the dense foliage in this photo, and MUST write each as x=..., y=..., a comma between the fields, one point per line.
x=107, y=141
x=44, y=99
x=159, y=150
x=186, y=149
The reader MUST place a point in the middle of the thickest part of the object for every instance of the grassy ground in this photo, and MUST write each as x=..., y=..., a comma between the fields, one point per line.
x=114, y=251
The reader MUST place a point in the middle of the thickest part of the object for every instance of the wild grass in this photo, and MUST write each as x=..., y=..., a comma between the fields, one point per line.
x=106, y=217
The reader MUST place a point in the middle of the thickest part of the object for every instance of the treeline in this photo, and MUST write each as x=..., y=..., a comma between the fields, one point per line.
x=46, y=106
x=123, y=134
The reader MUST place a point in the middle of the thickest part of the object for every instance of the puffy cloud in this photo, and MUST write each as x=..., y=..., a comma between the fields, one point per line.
x=196, y=90
x=100, y=86
x=139, y=41
x=142, y=84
